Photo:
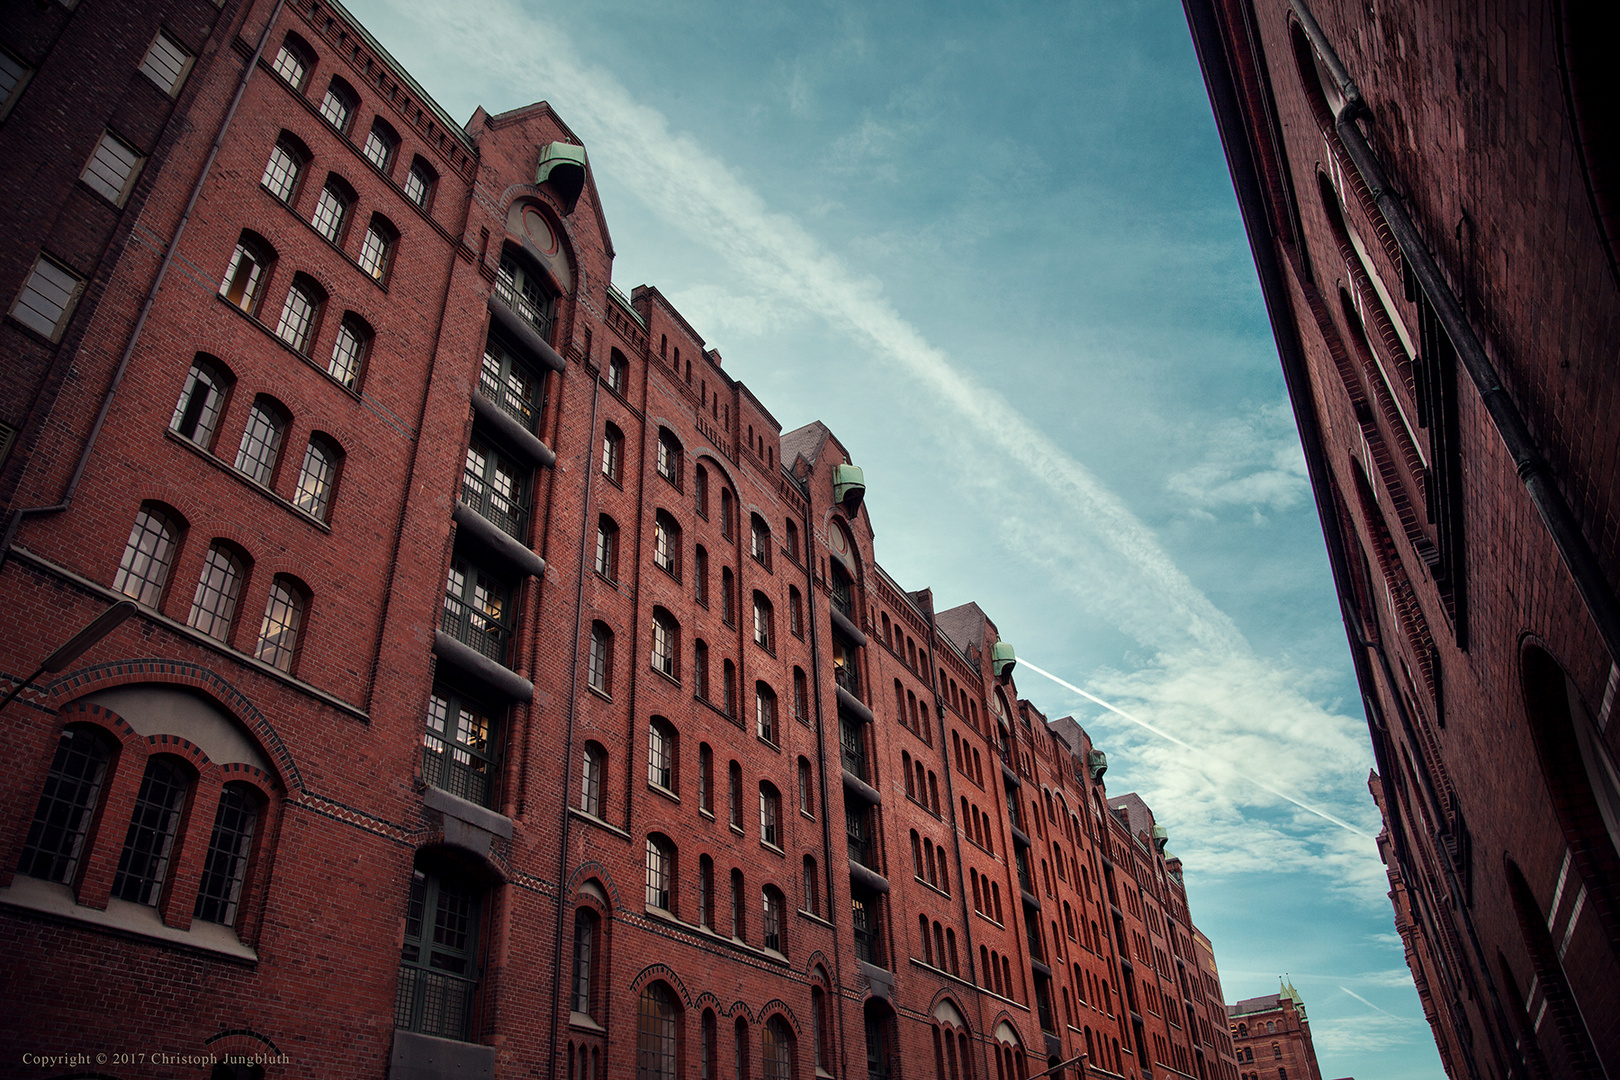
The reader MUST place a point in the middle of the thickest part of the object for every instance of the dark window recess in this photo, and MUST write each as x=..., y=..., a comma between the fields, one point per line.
x=1435, y=379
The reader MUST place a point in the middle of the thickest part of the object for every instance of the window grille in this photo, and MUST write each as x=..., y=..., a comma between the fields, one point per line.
x=214, y=604
x=225, y=865
x=278, y=630
x=145, y=858
x=458, y=749
x=72, y=792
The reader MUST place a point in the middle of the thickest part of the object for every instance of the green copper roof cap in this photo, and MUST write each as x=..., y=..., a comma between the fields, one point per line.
x=1002, y=658
x=1099, y=764
x=563, y=165
x=849, y=486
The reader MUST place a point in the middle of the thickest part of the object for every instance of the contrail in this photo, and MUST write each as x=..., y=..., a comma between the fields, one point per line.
x=1161, y=733
x=1370, y=1005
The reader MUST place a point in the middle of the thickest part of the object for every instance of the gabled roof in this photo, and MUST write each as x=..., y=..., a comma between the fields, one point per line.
x=964, y=625
x=805, y=442
x=1268, y=1003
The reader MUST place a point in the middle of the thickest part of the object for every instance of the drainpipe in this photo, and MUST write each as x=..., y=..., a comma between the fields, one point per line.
x=1533, y=468
x=146, y=305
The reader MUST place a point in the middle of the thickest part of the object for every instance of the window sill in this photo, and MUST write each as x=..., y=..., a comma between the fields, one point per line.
x=611, y=581
x=706, y=813
x=592, y=819
x=813, y=917
x=125, y=918
x=664, y=791
x=666, y=676
x=767, y=742
x=580, y=1022
x=333, y=244
x=737, y=829
x=218, y=463
x=673, y=572
x=603, y=694
x=774, y=849
x=990, y=920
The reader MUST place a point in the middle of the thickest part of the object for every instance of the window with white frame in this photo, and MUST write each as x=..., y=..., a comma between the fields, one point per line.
x=666, y=544
x=377, y=249
x=381, y=143
x=590, y=782
x=349, y=351
x=201, y=402
x=213, y=605
x=144, y=569
x=247, y=272
x=661, y=741
x=292, y=62
x=765, y=712
x=660, y=872
x=278, y=630
x=419, y=183
x=261, y=442
x=770, y=814
x=666, y=643
x=600, y=674
x=338, y=104
x=298, y=315
x=332, y=209
x=284, y=168
x=316, y=478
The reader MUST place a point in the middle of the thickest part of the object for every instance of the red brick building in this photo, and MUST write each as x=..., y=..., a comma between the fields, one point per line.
x=1429, y=190
x=508, y=695
x=1272, y=1037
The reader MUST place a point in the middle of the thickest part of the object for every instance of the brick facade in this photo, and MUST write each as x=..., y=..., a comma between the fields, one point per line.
x=1272, y=1037
x=1429, y=193
x=509, y=695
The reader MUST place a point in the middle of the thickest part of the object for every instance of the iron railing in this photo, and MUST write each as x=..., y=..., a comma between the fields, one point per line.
x=433, y=1002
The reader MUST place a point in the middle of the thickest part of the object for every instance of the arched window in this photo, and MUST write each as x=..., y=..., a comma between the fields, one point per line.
x=590, y=784
x=739, y=907
x=706, y=778
x=775, y=935
x=522, y=291
x=667, y=544
x=144, y=568
x=661, y=754
x=349, y=350
x=795, y=612
x=143, y=866
x=770, y=814
x=285, y=168
x=600, y=674
x=700, y=574
x=382, y=142
x=438, y=968
x=740, y=1043
x=607, y=548
x=776, y=1047
x=700, y=670
x=420, y=182
x=283, y=616
x=812, y=887
x=759, y=541
x=657, y=1022
x=801, y=697
x=331, y=216
x=764, y=623
x=293, y=61
x=765, y=713
x=709, y=1049
x=793, y=539
x=586, y=952
x=905, y=767
x=301, y=314
x=338, y=104
x=728, y=512
x=317, y=477
x=705, y=895
x=700, y=489
x=618, y=372
x=247, y=272
x=72, y=793
x=201, y=401
x=807, y=799
x=728, y=596
x=728, y=689
x=734, y=792
x=229, y=846
x=213, y=606
x=666, y=644
x=670, y=457
x=377, y=249
x=260, y=450
x=612, y=453
x=661, y=876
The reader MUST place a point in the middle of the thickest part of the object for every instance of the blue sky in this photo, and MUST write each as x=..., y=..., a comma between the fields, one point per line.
x=995, y=248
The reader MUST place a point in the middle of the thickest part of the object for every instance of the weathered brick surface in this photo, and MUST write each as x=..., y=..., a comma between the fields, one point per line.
x=349, y=814
x=1469, y=662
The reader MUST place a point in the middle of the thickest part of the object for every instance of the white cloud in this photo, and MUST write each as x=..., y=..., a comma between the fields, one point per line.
x=1202, y=681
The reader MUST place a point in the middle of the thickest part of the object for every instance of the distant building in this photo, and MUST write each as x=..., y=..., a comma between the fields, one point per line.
x=1432, y=194
x=503, y=673
x=1272, y=1037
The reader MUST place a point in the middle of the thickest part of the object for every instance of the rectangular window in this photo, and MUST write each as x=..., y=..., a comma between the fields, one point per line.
x=14, y=76
x=458, y=749
x=166, y=64
x=225, y=865
x=112, y=169
x=47, y=298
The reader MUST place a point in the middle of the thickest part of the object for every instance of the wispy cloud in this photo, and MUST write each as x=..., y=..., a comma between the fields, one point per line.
x=1199, y=680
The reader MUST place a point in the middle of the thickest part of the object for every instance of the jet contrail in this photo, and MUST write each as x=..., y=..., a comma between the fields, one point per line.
x=1161, y=733
x=1370, y=1005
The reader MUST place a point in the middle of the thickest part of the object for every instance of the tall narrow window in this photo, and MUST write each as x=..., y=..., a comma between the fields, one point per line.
x=316, y=478
x=112, y=169
x=700, y=574
x=419, y=183
x=349, y=351
x=299, y=314
x=765, y=713
x=459, y=747
x=661, y=755
x=144, y=862
x=739, y=908
x=700, y=490
x=381, y=144
x=338, y=105
x=666, y=544
x=764, y=618
x=669, y=458
x=507, y=382
x=72, y=792
x=759, y=541
x=618, y=372
x=700, y=670
x=709, y=1050
x=47, y=298
x=807, y=799
x=655, y=1034
x=773, y=936
x=201, y=402
x=438, y=965
x=278, y=630
x=332, y=210
x=666, y=643
x=612, y=453
x=285, y=167
x=728, y=511
x=214, y=604
x=261, y=442
x=584, y=950
x=225, y=864
x=735, y=792
x=607, y=548
x=246, y=273
x=660, y=872
x=522, y=292
x=801, y=696
x=145, y=566
x=793, y=540
x=166, y=64
x=377, y=249
x=292, y=62
x=601, y=665
x=770, y=814
x=728, y=688
x=496, y=487
x=795, y=612
x=476, y=610
x=705, y=895
x=728, y=596
x=590, y=784
x=706, y=778
x=812, y=889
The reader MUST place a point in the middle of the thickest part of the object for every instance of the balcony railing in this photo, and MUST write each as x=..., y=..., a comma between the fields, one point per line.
x=847, y=674
x=526, y=307
x=450, y=768
x=860, y=839
x=838, y=589
x=474, y=628
x=433, y=1002
x=506, y=513
x=512, y=390
x=851, y=748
